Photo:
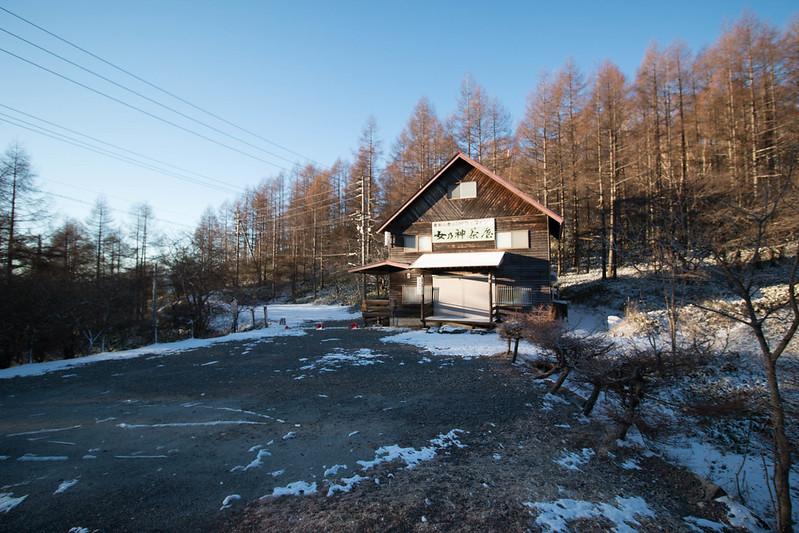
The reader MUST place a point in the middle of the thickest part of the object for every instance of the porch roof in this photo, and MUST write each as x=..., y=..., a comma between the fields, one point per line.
x=460, y=260
x=383, y=267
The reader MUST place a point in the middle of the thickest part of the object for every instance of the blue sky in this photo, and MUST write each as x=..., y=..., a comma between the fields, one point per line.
x=302, y=75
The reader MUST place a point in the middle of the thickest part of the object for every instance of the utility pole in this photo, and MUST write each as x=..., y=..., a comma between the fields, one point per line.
x=362, y=231
x=155, y=302
x=238, y=243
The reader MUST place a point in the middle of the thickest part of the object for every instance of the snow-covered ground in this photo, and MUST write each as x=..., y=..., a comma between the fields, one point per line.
x=294, y=316
x=741, y=476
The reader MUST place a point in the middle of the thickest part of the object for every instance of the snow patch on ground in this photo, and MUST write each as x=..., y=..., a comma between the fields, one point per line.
x=732, y=472
x=229, y=500
x=346, y=484
x=37, y=369
x=65, y=485
x=573, y=460
x=555, y=516
x=340, y=358
x=462, y=345
x=8, y=501
x=296, y=488
x=411, y=456
x=255, y=463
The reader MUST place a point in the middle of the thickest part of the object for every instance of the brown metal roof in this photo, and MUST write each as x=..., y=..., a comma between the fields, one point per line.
x=383, y=267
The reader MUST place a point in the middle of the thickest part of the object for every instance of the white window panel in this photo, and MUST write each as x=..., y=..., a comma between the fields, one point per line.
x=465, y=189
x=410, y=294
x=425, y=243
x=513, y=239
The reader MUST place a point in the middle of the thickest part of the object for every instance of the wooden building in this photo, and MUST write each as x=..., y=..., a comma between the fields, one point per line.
x=467, y=248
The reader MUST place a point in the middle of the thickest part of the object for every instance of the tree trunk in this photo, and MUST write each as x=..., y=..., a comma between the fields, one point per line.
x=782, y=450
x=636, y=391
x=591, y=401
x=561, y=380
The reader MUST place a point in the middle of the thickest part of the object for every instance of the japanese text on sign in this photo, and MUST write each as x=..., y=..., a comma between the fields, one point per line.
x=476, y=229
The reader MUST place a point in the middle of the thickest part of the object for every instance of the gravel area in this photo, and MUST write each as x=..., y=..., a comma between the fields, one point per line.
x=201, y=440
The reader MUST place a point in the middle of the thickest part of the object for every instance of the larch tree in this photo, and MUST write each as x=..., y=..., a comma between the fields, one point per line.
x=17, y=196
x=572, y=91
x=71, y=250
x=611, y=102
x=421, y=149
x=100, y=221
x=499, y=156
x=470, y=121
x=536, y=136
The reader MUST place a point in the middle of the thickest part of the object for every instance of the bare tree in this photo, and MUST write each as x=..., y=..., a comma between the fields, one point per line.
x=100, y=224
x=744, y=252
x=17, y=190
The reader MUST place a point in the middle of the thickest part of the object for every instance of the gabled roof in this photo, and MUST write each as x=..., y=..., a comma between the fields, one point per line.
x=553, y=217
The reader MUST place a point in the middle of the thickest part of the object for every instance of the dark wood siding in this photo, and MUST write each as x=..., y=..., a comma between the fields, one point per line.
x=493, y=201
x=399, y=308
x=525, y=268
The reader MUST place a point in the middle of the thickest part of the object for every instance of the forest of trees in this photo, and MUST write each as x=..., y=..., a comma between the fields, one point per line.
x=631, y=164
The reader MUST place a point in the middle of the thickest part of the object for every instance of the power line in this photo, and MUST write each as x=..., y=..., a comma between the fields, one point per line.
x=215, y=183
x=84, y=202
x=86, y=146
x=326, y=198
x=147, y=98
x=158, y=88
x=131, y=106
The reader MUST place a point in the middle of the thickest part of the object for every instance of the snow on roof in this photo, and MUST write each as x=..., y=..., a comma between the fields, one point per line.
x=459, y=260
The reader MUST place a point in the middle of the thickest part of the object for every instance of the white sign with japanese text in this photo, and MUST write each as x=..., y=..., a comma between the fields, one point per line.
x=476, y=229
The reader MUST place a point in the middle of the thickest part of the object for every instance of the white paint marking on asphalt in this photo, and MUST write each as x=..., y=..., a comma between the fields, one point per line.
x=34, y=457
x=245, y=412
x=191, y=424
x=40, y=431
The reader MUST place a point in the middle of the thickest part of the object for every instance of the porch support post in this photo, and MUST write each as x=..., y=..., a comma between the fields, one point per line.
x=490, y=297
x=424, y=324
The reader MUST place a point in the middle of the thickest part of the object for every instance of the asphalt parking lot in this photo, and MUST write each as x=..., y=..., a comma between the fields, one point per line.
x=173, y=442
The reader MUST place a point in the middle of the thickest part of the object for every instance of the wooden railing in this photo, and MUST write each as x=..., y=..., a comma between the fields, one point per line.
x=376, y=311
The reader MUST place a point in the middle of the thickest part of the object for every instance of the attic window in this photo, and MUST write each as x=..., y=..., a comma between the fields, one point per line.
x=464, y=189
x=513, y=239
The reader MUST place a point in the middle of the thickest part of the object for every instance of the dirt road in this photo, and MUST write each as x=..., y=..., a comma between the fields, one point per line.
x=176, y=442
